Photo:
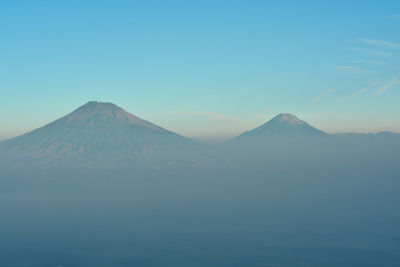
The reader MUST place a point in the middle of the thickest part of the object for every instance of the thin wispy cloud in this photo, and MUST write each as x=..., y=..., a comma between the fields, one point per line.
x=380, y=43
x=383, y=88
x=210, y=126
x=323, y=95
x=370, y=52
x=370, y=62
x=359, y=92
x=393, y=16
x=352, y=69
x=216, y=116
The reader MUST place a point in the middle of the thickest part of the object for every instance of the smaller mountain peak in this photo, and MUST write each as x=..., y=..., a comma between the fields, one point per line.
x=284, y=124
x=286, y=115
x=94, y=108
x=92, y=103
x=287, y=118
x=99, y=104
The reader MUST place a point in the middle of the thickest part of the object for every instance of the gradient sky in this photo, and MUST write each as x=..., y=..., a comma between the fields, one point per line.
x=204, y=69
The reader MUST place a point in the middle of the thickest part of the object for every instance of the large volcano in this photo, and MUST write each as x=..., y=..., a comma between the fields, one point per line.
x=96, y=134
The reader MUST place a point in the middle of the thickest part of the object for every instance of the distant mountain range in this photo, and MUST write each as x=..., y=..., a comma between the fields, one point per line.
x=103, y=135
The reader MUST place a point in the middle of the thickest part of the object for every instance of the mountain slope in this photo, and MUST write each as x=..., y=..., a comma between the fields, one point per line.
x=96, y=134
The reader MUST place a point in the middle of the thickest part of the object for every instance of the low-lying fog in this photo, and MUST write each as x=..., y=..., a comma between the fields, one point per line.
x=282, y=203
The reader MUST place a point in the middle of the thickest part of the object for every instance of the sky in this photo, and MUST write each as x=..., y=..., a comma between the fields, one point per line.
x=204, y=69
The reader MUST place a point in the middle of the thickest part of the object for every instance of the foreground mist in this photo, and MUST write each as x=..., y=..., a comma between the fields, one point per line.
x=285, y=195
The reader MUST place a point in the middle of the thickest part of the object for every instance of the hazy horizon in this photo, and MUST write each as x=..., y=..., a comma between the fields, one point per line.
x=102, y=187
x=209, y=137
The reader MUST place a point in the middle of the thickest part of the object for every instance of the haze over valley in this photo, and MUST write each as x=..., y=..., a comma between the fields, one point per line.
x=199, y=133
x=286, y=191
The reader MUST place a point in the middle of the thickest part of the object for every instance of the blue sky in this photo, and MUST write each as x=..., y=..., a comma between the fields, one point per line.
x=205, y=69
